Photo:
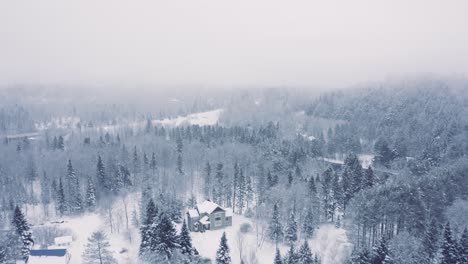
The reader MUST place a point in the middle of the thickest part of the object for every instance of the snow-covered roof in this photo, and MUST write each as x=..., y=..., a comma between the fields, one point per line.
x=193, y=213
x=228, y=211
x=63, y=240
x=205, y=220
x=207, y=207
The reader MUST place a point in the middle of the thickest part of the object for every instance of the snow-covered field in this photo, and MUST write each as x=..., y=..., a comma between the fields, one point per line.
x=208, y=118
x=365, y=159
x=329, y=242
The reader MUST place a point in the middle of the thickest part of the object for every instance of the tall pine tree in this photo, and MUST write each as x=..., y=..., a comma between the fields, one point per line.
x=222, y=254
x=185, y=241
x=278, y=259
x=381, y=253
x=275, y=229
x=449, y=247
x=463, y=250
x=90, y=199
x=291, y=229
x=304, y=256
x=23, y=233
x=207, y=181
x=146, y=231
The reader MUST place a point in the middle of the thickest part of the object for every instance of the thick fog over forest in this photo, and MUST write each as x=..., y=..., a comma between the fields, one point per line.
x=250, y=132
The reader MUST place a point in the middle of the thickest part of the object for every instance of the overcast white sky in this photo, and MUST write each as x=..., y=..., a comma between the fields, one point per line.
x=230, y=43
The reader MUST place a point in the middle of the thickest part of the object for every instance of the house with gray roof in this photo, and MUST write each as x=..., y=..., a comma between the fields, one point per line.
x=208, y=216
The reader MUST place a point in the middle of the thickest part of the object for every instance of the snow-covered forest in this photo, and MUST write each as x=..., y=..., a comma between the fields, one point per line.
x=373, y=174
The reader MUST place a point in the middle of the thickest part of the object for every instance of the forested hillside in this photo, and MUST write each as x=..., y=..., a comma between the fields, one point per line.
x=382, y=169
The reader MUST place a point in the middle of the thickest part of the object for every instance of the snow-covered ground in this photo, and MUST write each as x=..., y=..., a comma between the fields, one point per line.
x=124, y=243
x=59, y=123
x=329, y=242
x=208, y=118
x=365, y=159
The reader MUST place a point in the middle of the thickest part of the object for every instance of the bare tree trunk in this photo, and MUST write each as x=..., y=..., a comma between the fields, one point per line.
x=124, y=201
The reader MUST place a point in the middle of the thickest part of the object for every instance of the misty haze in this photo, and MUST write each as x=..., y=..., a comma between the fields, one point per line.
x=253, y=132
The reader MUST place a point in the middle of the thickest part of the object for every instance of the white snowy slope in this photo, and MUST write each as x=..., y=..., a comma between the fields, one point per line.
x=208, y=118
x=365, y=159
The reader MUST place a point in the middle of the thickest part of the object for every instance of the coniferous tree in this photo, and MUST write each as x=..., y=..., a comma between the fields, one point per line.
x=153, y=164
x=3, y=254
x=304, y=255
x=45, y=192
x=60, y=143
x=136, y=161
x=431, y=239
x=166, y=237
x=291, y=256
x=97, y=250
x=261, y=186
x=381, y=253
x=222, y=254
x=270, y=180
x=369, y=177
x=351, y=178
x=227, y=192
x=101, y=175
x=23, y=233
x=248, y=191
x=54, y=190
x=147, y=236
x=275, y=229
x=240, y=191
x=185, y=241
x=278, y=259
x=117, y=183
x=207, y=181
x=127, y=182
x=145, y=161
x=90, y=198
x=449, y=247
x=384, y=155
x=326, y=194
x=463, y=250
x=308, y=224
x=297, y=173
x=290, y=179
x=291, y=229
x=337, y=195
x=218, y=196
x=235, y=185
x=74, y=200
x=363, y=257
x=61, y=202
x=312, y=187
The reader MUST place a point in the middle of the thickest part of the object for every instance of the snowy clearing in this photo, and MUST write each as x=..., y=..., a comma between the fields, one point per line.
x=208, y=118
x=329, y=242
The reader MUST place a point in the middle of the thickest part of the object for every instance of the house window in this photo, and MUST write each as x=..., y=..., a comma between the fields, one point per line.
x=217, y=218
